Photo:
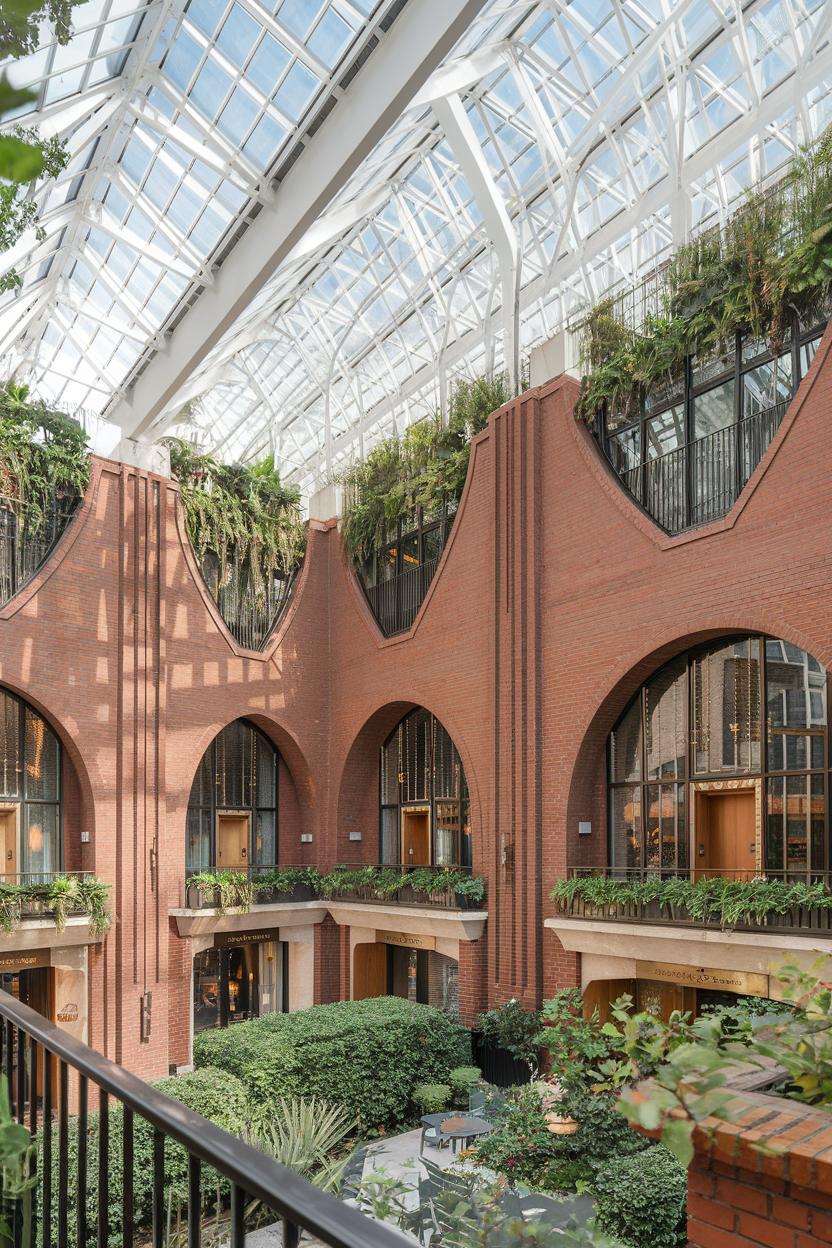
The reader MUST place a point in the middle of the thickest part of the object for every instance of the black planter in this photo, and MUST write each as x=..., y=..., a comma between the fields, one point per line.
x=497, y=1064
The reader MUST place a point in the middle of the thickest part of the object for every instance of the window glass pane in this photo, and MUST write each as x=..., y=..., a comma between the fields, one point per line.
x=625, y=450
x=198, y=853
x=446, y=834
x=713, y=410
x=266, y=772
x=415, y=754
x=665, y=432
x=42, y=759
x=466, y=853
x=235, y=764
x=712, y=364
x=625, y=826
x=265, y=840
x=446, y=764
x=817, y=821
x=243, y=982
x=625, y=746
x=726, y=708
x=797, y=819
x=766, y=385
x=775, y=823
x=796, y=689
x=9, y=746
x=664, y=728
x=390, y=853
x=790, y=751
x=390, y=770
x=807, y=353
x=652, y=829
x=41, y=844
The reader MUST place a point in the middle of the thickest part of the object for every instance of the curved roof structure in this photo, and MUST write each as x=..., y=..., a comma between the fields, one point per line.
x=286, y=226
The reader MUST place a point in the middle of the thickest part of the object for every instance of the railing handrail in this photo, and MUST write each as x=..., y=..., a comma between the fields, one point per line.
x=280, y=1189
x=764, y=874
x=745, y=423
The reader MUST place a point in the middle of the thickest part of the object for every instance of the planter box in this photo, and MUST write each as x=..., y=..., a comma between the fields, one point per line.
x=497, y=1064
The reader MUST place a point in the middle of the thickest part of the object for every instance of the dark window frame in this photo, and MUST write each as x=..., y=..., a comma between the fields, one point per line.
x=253, y=809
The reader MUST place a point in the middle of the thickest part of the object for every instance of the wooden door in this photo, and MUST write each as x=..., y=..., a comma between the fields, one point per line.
x=416, y=836
x=8, y=841
x=659, y=999
x=602, y=994
x=726, y=833
x=232, y=840
x=369, y=971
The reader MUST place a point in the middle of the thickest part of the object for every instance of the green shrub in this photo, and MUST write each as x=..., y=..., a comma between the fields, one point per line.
x=431, y=1098
x=523, y=1150
x=462, y=1080
x=641, y=1199
x=602, y=1131
x=212, y=1093
x=365, y=1055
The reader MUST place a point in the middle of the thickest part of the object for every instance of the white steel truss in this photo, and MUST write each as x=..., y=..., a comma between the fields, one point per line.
x=261, y=269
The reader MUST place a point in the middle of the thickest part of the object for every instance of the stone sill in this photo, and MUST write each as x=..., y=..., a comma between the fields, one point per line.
x=41, y=933
x=235, y=919
x=419, y=920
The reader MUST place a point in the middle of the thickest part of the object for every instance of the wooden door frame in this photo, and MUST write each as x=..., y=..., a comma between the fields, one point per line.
x=419, y=808
x=232, y=814
x=750, y=785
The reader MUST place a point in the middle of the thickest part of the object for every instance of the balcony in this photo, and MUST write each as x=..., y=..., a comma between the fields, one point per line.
x=396, y=577
x=700, y=481
x=250, y=608
x=28, y=536
x=445, y=888
x=721, y=901
x=54, y=897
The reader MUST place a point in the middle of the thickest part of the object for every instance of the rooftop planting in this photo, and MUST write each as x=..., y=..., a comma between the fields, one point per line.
x=772, y=261
x=425, y=466
x=44, y=455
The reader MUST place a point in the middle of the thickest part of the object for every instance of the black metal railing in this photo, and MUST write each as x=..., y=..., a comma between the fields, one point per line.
x=27, y=537
x=701, y=481
x=395, y=603
x=49, y=1071
x=405, y=894
x=802, y=920
x=251, y=608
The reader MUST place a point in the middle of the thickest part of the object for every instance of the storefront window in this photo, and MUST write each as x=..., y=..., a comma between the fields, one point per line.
x=30, y=791
x=237, y=982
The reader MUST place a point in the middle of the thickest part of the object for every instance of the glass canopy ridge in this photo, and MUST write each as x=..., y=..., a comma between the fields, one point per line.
x=556, y=151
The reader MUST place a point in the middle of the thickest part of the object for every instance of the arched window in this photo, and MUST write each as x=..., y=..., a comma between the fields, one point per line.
x=721, y=763
x=232, y=811
x=30, y=790
x=425, y=811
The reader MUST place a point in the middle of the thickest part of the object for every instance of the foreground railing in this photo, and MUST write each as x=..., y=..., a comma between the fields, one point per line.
x=701, y=481
x=27, y=538
x=69, y=1073
x=794, y=902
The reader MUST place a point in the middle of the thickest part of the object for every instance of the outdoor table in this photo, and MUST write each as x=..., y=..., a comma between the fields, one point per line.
x=468, y=1128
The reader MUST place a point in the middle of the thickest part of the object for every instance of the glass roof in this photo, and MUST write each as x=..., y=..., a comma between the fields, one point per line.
x=559, y=150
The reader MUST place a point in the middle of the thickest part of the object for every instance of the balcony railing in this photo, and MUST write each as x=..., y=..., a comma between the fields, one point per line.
x=395, y=603
x=250, y=610
x=35, y=1051
x=703, y=898
x=446, y=888
x=27, y=538
x=449, y=888
x=701, y=481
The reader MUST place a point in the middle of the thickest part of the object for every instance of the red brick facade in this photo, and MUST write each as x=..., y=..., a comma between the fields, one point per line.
x=555, y=597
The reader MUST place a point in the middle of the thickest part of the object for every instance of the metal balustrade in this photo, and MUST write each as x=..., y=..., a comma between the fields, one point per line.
x=251, y=610
x=701, y=481
x=49, y=1073
x=395, y=602
x=27, y=538
x=803, y=920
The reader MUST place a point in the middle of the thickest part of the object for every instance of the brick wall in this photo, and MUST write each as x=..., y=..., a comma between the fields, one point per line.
x=742, y=1195
x=554, y=598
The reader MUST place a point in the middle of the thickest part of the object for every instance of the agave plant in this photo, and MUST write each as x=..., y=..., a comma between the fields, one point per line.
x=307, y=1135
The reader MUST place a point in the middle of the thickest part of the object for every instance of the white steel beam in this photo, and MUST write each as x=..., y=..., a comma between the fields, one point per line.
x=385, y=85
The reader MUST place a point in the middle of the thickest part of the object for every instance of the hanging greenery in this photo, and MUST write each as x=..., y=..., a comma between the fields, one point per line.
x=239, y=510
x=424, y=466
x=44, y=457
x=771, y=261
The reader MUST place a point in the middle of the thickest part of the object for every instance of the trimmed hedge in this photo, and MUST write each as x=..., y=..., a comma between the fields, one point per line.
x=642, y=1199
x=365, y=1055
x=213, y=1093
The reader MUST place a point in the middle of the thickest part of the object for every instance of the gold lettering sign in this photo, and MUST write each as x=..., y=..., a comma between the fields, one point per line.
x=745, y=982
x=246, y=938
x=11, y=962
x=406, y=939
